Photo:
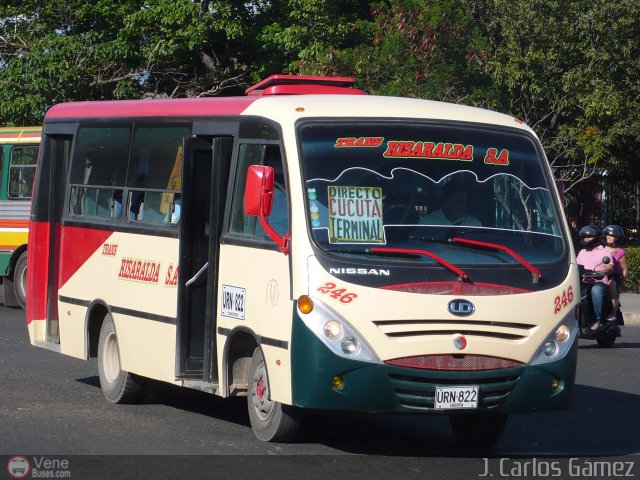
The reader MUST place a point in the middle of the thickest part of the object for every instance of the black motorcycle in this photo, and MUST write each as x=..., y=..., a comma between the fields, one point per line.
x=605, y=336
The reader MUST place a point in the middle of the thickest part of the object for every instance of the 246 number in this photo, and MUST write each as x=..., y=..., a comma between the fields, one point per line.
x=561, y=301
x=341, y=294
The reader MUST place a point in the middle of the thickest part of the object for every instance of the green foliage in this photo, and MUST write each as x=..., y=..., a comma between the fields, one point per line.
x=80, y=50
x=415, y=48
x=300, y=36
x=568, y=69
x=632, y=282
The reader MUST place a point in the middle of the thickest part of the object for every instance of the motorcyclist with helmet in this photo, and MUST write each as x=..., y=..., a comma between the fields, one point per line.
x=613, y=236
x=591, y=258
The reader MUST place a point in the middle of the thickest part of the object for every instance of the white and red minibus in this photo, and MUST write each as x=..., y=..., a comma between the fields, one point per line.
x=310, y=247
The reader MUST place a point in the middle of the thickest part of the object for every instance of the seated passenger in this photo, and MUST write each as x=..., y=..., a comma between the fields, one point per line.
x=453, y=207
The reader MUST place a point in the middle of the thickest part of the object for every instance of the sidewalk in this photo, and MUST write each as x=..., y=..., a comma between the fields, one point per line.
x=630, y=308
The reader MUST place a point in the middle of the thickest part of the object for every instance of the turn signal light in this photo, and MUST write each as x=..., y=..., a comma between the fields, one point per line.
x=305, y=304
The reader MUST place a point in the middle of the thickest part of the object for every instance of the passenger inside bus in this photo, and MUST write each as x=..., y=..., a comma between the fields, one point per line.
x=453, y=207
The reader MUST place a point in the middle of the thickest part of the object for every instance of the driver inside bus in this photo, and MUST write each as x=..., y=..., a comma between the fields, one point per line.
x=453, y=207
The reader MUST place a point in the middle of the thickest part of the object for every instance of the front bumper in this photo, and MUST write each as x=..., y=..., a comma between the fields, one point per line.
x=382, y=388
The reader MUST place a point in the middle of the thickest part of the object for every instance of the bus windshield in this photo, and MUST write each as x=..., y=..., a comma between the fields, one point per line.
x=469, y=194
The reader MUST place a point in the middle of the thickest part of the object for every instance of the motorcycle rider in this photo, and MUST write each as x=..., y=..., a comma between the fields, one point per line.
x=613, y=235
x=591, y=258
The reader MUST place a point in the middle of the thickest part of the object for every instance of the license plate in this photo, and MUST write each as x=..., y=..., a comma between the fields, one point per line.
x=456, y=397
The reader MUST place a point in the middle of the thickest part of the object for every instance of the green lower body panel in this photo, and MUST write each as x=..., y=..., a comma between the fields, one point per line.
x=4, y=261
x=383, y=388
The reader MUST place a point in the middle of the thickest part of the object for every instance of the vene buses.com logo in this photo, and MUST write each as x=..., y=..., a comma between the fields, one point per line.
x=18, y=467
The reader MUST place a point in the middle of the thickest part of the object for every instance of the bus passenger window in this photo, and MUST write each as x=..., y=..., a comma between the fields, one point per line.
x=152, y=207
x=22, y=169
x=176, y=209
x=156, y=157
x=95, y=202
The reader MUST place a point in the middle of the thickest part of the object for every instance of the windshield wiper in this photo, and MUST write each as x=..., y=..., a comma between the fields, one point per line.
x=424, y=253
x=537, y=275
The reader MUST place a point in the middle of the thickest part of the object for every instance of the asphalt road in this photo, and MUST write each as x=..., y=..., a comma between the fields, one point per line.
x=52, y=406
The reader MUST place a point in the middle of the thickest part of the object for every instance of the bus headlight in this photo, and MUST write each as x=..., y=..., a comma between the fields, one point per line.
x=563, y=333
x=336, y=333
x=349, y=345
x=549, y=348
x=333, y=329
x=558, y=342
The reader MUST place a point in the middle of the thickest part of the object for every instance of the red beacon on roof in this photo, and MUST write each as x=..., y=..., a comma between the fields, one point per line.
x=304, y=85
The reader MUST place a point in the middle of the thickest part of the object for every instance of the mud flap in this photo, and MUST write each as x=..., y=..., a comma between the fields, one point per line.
x=10, y=299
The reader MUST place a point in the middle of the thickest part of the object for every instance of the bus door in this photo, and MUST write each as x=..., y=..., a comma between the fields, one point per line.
x=46, y=214
x=204, y=186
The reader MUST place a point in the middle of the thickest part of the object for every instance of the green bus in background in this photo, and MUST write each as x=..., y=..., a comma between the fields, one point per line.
x=18, y=157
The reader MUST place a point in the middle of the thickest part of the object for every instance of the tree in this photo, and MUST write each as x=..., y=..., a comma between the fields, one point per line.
x=299, y=36
x=569, y=70
x=416, y=48
x=80, y=49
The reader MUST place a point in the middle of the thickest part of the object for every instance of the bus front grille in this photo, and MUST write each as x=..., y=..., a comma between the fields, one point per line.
x=479, y=328
x=418, y=392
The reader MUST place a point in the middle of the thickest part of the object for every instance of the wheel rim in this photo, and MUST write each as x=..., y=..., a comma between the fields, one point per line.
x=111, y=359
x=260, y=395
x=22, y=281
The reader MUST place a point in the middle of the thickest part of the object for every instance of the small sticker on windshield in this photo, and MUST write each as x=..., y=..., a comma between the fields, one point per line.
x=314, y=208
x=355, y=214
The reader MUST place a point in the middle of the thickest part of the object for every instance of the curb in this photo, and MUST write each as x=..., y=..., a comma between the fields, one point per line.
x=631, y=318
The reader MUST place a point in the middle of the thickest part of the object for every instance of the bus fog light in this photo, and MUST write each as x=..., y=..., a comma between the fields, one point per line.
x=549, y=348
x=562, y=333
x=555, y=384
x=349, y=345
x=337, y=382
x=332, y=329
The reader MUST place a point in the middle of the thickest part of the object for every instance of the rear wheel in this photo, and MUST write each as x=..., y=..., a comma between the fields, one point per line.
x=271, y=421
x=478, y=430
x=20, y=280
x=117, y=385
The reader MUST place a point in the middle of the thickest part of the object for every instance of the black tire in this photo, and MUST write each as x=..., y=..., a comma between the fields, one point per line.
x=20, y=280
x=606, y=340
x=270, y=420
x=117, y=385
x=479, y=429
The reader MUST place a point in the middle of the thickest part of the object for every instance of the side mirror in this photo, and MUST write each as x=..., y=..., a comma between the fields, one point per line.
x=258, y=201
x=258, y=192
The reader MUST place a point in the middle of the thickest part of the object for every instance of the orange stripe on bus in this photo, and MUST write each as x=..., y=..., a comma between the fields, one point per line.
x=14, y=223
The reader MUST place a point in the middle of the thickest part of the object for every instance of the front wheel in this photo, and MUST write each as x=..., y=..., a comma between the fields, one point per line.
x=479, y=429
x=271, y=421
x=20, y=280
x=117, y=385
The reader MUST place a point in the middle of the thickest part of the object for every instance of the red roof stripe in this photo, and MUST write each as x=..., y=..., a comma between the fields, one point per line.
x=179, y=107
